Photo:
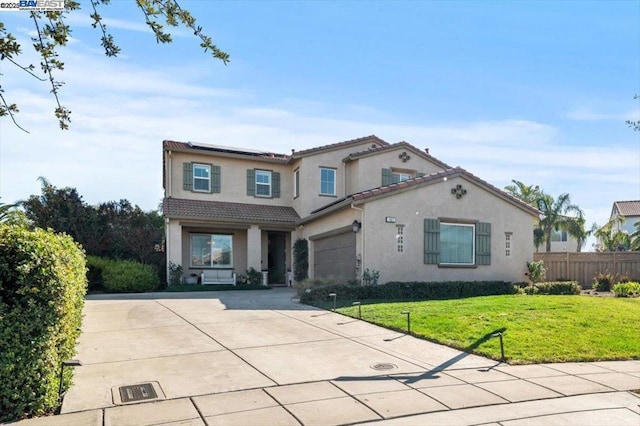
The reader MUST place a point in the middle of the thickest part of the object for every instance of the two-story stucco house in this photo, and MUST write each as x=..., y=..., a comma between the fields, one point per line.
x=629, y=212
x=361, y=204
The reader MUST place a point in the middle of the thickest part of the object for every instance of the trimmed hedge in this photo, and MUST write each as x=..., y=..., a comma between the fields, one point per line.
x=42, y=288
x=553, y=287
x=127, y=276
x=396, y=290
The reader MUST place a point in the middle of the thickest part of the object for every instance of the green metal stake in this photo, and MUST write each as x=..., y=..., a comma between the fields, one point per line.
x=359, y=309
x=408, y=314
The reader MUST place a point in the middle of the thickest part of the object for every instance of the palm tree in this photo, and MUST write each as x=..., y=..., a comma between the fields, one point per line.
x=635, y=237
x=611, y=238
x=555, y=215
x=527, y=193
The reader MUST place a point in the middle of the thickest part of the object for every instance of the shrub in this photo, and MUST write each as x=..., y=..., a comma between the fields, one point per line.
x=95, y=267
x=42, y=287
x=127, y=276
x=627, y=289
x=537, y=272
x=397, y=290
x=311, y=283
x=370, y=277
x=558, y=287
x=603, y=281
x=175, y=274
x=300, y=260
x=254, y=277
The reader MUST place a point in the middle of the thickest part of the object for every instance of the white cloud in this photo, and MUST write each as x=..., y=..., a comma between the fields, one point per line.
x=121, y=113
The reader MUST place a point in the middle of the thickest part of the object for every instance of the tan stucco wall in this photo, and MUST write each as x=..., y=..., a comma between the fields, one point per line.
x=233, y=174
x=366, y=172
x=310, y=198
x=436, y=201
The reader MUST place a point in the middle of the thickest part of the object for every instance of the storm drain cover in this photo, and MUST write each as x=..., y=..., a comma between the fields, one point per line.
x=384, y=366
x=137, y=392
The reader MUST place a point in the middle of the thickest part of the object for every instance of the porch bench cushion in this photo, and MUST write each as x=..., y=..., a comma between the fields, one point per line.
x=218, y=276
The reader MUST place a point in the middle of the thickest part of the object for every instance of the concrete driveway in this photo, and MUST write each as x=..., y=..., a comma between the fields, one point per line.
x=260, y=357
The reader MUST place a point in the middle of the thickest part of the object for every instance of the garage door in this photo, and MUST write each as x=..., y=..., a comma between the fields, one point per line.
x=335, y=256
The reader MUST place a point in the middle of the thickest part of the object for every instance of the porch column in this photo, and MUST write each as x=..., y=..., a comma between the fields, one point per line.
x=173, y=245
x=254, y=247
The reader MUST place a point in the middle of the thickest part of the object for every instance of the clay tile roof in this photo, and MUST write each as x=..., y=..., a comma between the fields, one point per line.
x=401, y=144
x=436, y=177
x=174, y=145
x=628, y=208
x=371, y=138
x=223, y=211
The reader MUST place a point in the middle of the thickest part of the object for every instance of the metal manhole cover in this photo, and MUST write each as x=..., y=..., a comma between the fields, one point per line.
x=384, y=366
x=140, y=392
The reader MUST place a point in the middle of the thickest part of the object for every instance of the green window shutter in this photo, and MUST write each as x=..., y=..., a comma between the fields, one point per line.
x=187, y=176
x=275, y=184
x=419, y=174
x=387, y=177
x=215, y=179
x=431, y=241
x=483, y=243
x=251, y=182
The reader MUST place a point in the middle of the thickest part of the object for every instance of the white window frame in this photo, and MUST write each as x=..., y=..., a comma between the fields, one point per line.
x=202, y=254
x=206, y=167
x=473, y=243
x=296, y=183
x=263, y=184
x=335, y=174
x=559, y=236
x=399, y=177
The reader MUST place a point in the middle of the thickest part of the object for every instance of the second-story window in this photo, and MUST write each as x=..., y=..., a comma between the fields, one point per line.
x=327, y=181
x=296, y=183
x=263, y=183
x=201, y=177
x=399, y=177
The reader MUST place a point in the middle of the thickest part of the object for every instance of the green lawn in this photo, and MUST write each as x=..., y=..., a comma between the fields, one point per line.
x=535, y=328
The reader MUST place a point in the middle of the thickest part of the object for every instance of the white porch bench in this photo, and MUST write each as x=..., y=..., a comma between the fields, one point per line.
x=218, y=276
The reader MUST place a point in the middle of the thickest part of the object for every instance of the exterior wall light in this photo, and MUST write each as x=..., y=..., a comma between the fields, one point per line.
x=356, y=225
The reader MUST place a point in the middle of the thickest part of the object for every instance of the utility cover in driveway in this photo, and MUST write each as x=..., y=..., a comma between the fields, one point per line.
x=137, y=392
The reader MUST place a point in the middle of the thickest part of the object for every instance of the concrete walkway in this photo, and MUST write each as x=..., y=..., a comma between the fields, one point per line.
x=261, y=358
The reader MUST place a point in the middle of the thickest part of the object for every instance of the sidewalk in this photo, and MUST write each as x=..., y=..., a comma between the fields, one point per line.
x=261, y=358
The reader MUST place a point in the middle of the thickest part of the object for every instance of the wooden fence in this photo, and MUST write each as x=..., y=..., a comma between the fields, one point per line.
x=582, y=267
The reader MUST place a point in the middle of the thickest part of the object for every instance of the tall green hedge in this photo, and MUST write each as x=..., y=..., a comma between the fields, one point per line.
x=127, y=276
x=120, y=276
x=42, y=288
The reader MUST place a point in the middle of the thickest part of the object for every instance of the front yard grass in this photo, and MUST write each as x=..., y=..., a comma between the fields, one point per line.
x=536, y=329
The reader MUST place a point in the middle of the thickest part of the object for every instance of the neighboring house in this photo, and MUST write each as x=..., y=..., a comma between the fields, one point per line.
x=630, y=211
x=361, y=204
x=561, y=241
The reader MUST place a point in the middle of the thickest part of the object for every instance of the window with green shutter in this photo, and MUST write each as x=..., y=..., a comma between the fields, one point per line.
x=457, y=244
x=263, y=183
x=251, y=182
x=483, y=243
x=431, y=241
x=387, y=177
x=201, y=177
x=187, y=176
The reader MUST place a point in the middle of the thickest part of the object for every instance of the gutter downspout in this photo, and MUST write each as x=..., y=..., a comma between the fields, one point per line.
x=362, y=240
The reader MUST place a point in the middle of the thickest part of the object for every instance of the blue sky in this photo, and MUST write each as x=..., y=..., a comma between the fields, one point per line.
x=534, y=91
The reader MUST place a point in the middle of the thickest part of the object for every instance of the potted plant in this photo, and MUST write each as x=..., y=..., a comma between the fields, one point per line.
x=192, y=279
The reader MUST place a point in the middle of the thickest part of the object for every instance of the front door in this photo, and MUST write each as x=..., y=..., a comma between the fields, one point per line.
x=277, y=257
